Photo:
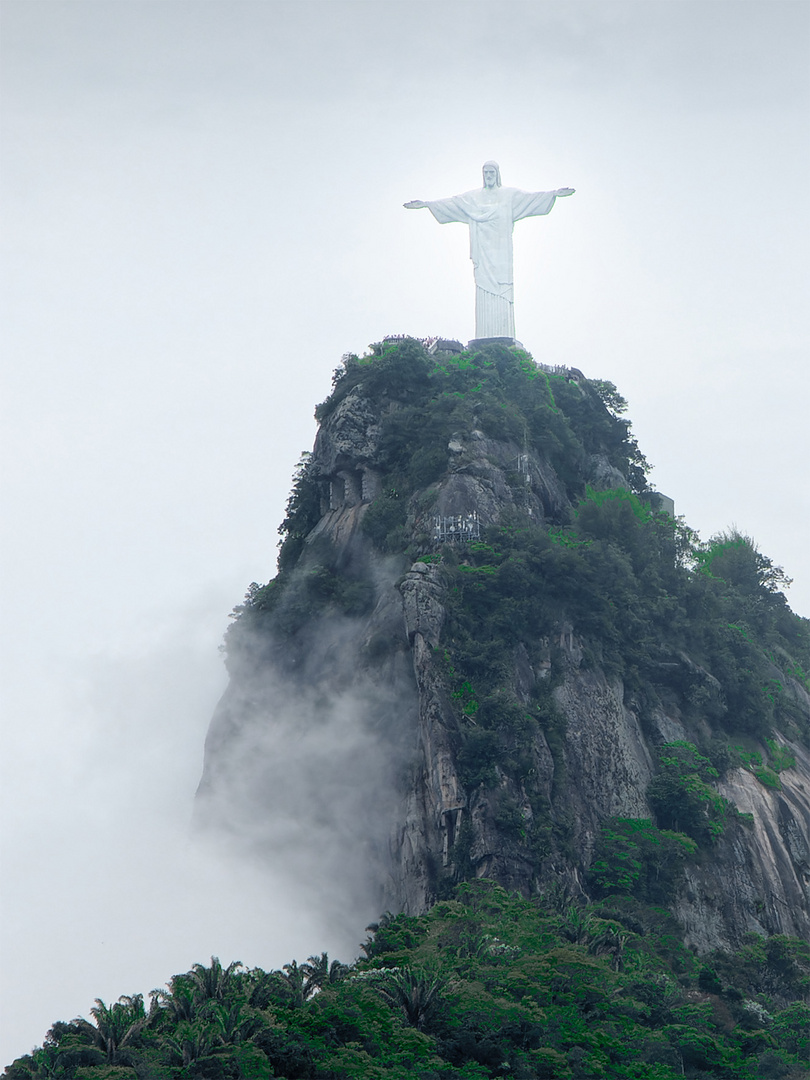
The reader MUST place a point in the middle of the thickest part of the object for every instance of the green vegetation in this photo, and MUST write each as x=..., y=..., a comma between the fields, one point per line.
x=626, y=580
x=682, y=796
x=778, y=759
x=634, y=858
x=733, y=558
x=485, y=985
x=499, y=391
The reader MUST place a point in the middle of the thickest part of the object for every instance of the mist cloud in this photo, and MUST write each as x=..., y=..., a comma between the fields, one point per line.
x=107, y=888
x=308, y=756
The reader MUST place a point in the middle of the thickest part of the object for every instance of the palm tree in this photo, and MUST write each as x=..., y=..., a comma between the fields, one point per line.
x=610, y=942
x=385, y=920
x=374, y=928
x=235, y=1023
x=293, y=977
x=180, y=1001
x=416, y=993
x=213, y=983
x=319, y=972
x=189, y=1043
x=266, y=987
x=473, y=944
x=45, y=1061
x=116, y=1026
x=578, y=926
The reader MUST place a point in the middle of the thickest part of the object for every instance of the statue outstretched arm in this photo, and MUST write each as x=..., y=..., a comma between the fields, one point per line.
x=535, y=203
x=456, y=208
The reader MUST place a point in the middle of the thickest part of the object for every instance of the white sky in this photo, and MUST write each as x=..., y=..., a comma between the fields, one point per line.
x=202, y=213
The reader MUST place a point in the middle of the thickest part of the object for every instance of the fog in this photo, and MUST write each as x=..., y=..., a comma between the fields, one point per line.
x=108, y=889
x=202, y=213
x=311, y=749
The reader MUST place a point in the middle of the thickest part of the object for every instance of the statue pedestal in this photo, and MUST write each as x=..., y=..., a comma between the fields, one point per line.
x=480, y=342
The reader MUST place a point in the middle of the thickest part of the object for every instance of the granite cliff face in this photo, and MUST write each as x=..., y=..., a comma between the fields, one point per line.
x=451, y=676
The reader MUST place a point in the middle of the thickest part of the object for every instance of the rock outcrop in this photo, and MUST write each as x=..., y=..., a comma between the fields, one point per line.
x=359, y=643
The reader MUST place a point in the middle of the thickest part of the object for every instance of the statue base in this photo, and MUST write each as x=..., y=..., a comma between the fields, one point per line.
x=480, y=342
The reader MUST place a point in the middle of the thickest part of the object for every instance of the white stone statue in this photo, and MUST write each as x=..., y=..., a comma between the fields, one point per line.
x=491, y=212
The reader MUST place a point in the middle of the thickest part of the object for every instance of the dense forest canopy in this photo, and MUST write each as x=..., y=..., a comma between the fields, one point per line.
x=486, y=985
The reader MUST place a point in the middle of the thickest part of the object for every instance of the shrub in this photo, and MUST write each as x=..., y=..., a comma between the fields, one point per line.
x=383, y=519
x=633, y=856
x=682, y=796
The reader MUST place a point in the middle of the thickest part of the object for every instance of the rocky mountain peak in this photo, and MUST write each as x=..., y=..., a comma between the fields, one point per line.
x=492, y=655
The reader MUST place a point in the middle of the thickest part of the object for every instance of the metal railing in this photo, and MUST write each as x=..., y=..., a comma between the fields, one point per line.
x=457, y=528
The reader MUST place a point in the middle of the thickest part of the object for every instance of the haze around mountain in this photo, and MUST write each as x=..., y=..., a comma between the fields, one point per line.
x=203, y=212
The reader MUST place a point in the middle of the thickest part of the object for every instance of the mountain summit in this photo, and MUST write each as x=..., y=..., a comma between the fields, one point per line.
x=491, y=651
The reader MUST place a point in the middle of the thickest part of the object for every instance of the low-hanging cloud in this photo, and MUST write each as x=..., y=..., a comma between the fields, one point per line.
x=309, y=755
x=107, y=887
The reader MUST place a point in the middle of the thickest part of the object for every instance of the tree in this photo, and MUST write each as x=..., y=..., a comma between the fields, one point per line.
x=235, y=1023
x=116, y=1027
x=682, y=796
x=633, y=856
x=215, y=982
x=735, y=559
x=179, y=1002
x=294, y=979
x=319, y=972
x=415, y=993
x=189, y=1042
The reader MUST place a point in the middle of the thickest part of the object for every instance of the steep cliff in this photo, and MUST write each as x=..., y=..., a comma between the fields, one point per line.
x=489, y=653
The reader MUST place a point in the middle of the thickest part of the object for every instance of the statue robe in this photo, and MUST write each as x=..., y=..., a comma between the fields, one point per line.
x=491, y=214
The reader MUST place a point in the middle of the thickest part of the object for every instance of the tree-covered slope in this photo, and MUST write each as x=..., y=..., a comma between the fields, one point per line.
x=485, y=985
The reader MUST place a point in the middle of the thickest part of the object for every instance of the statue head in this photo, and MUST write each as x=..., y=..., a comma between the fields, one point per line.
x=492, y=174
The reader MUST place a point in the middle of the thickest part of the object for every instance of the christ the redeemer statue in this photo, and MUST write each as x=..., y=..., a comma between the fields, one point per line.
x=491, y=212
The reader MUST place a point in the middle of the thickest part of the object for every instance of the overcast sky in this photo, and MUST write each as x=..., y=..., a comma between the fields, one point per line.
x=202, y=213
